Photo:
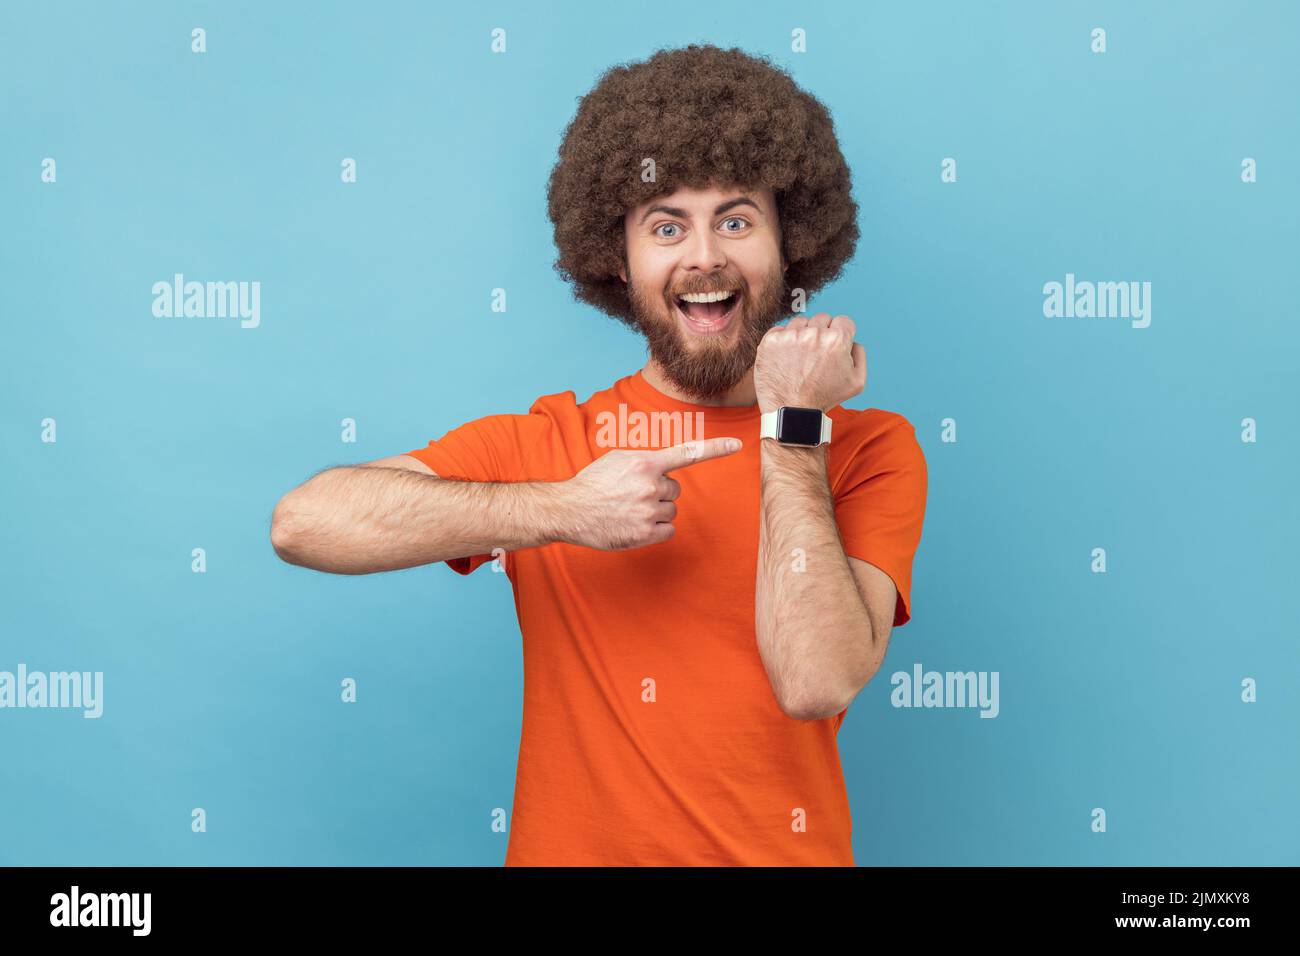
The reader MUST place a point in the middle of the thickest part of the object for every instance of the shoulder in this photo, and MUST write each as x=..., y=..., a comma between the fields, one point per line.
x=567, y=400
x=518, y=432
x=874, y=427
x=558, y=426
x=867, y=443
x=557, y=404
x=564, y=409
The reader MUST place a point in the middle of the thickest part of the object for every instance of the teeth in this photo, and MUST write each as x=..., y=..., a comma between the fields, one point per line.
x=706, y=296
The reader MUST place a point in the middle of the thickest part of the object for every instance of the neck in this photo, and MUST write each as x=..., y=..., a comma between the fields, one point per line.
x=741, y=394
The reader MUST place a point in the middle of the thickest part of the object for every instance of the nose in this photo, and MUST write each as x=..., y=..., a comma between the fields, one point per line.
x=703, y=253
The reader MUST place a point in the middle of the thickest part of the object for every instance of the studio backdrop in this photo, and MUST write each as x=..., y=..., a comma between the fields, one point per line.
x=1076, y=279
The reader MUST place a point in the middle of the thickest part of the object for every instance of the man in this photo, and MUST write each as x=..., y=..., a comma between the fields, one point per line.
x=696, y=618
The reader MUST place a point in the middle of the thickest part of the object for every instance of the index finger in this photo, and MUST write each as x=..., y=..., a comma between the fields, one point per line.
x=691, y=452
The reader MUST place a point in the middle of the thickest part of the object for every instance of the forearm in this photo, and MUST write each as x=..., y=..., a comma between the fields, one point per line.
x=358, y=520
x=814, y=633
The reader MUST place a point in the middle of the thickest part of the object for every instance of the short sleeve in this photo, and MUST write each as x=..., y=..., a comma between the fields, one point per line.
x=880, y=506
x=493, y=448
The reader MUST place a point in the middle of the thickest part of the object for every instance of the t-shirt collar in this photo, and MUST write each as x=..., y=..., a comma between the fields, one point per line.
x=651, y=398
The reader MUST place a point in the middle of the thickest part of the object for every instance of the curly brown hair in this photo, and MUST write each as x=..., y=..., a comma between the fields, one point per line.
x=706, y=116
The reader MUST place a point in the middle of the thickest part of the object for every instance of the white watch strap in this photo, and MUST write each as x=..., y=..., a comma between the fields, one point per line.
x=767, y=426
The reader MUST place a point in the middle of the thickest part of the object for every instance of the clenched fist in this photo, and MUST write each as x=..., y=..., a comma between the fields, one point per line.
x=624, y=499
x=810, y=362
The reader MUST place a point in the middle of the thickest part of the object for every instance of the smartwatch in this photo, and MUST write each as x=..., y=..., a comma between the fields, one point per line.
x=794, y=425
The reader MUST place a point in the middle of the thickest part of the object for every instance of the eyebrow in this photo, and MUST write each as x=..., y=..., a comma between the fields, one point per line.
x=683, y=214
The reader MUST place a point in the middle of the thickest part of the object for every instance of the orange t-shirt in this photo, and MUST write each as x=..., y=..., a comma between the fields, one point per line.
x=703, y=768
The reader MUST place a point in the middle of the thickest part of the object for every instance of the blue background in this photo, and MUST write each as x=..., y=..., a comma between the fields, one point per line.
x=1118, y=690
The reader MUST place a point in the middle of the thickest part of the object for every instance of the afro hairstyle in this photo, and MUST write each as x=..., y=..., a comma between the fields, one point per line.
x=706, y=116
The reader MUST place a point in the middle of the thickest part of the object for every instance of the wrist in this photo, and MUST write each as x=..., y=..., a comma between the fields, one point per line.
x=560, y=516
x=771, y=405
x=778, y=451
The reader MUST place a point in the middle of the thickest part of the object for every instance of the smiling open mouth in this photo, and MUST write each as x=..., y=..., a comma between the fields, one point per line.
x=708, y=311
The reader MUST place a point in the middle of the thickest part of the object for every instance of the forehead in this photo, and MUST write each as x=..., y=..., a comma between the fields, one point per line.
x=705, y=199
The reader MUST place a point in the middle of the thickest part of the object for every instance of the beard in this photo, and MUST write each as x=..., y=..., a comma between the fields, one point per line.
x=710, y=365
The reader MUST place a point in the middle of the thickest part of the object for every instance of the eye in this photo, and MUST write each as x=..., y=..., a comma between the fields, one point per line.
x=666, y=225
x=743, y=222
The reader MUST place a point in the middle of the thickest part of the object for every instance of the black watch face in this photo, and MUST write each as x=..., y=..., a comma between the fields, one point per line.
x=799, y=426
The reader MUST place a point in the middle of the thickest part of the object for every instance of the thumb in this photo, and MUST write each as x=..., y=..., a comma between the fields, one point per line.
x=859, y=356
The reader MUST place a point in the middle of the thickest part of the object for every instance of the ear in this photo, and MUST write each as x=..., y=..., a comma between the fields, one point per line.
x=622, y=274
